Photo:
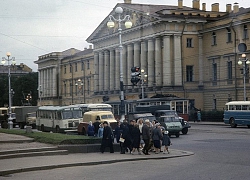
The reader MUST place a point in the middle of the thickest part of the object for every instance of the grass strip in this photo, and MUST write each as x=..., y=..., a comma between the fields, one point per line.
x=54, y=138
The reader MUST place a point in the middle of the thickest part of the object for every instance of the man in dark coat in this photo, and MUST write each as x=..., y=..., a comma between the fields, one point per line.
x=107, y=139
x=125, y=135
x=146, y=137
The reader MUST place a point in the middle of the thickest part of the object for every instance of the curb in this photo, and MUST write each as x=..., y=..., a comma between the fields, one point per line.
x=49, y=167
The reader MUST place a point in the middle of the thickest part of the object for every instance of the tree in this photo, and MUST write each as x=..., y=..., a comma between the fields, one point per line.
x=21, y=85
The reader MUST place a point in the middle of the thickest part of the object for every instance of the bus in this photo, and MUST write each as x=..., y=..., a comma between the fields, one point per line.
x=94, y=107
x=58, y=118
x=237, y=113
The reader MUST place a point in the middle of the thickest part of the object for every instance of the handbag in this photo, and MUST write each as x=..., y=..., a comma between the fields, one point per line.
x=121, y=140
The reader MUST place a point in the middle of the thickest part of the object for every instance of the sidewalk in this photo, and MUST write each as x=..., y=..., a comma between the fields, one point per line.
x=25, y=164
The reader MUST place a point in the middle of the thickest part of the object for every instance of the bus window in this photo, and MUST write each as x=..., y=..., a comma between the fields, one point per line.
x=238, y=107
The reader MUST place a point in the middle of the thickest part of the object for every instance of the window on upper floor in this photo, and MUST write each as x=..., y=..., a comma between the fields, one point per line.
x=88, y=64
x=229, y=35
x=189, y=42
x=70, y=68
x=245, y=32
x=82, y=66
x=65, y=69
x=75, y=67
x=214, y=39
x=189, y=73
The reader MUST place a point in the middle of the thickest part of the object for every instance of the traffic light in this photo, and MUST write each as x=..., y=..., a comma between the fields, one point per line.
x=135, y=75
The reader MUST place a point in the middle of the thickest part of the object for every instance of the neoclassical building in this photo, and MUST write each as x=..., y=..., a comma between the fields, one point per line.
x=185, y=51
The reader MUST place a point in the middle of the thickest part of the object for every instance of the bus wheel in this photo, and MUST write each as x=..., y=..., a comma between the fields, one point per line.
x=83, y=131
x=57, y=129
x=232, y=123
x=42, y=128
x=248, y=126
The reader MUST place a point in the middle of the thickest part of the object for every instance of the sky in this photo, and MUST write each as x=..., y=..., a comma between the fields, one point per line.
x=31, y=28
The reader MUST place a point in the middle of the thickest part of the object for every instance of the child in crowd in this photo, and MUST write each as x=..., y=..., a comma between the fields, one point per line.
x=166, y=141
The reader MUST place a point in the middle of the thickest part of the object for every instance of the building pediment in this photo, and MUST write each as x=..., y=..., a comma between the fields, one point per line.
x=140, y=15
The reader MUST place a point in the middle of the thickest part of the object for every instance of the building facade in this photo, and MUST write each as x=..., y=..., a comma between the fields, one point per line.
x=185, y=51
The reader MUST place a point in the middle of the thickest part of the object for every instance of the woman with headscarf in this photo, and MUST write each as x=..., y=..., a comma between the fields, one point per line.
x=91, y=129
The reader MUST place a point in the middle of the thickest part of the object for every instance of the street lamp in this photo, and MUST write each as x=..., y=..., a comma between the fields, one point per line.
x=79, y=85
x=128, y=24
x=39, y=89
x=143, y=76
x=244, y=61
x=8, y=54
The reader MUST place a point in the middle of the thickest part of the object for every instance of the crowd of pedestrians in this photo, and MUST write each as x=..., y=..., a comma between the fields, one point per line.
x=136, y=137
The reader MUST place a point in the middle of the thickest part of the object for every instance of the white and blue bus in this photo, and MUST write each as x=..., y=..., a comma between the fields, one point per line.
x=58, y=118
x=237, y=113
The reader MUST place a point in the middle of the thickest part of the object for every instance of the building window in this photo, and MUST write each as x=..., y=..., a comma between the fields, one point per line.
x=214, y=74
x=82, y=66
x=213, y=39
x=75, y=67
x=70, y=68
x=88, y=86
x=245, y=35
x=189, y=42
x=65, y=69
x=229, y=35
x=189, y=71
x=88, y=64
x=230, y=70
x=214, y=104
x=71, y=89
x=65, y=90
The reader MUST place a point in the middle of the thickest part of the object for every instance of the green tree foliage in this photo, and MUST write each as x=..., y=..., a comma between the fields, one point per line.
x=22, y=86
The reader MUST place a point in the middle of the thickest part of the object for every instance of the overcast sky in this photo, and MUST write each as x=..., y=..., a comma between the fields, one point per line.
x=30, y=28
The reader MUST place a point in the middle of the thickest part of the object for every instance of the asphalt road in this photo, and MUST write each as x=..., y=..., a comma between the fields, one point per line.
x=221, y=153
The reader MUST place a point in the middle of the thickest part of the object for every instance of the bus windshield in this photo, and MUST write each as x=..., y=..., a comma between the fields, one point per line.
x=169, y=119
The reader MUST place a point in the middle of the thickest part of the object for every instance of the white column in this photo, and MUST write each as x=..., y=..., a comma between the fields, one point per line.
x=158, y=62
x=54, y=84
x=51, y=77
x=112, y=69
x=166, y=64
x=101, y=71
x=200, y=61
x=96, y=75
x=106, y=70
x=117, y=67
x=124, y=65
x=47, y=82
x=177, y=61
x=137, y=54
x=151, y=68
x=143, y=56
x=130, y=62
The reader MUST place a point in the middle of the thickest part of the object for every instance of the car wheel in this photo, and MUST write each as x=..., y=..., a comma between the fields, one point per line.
x=184, y=130
x=232, y=123
x=177, y=135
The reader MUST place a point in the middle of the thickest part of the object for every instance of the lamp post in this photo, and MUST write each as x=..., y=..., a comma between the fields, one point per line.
x=244, y=62
x=143, y=76
x=8, y=54
x=79, y=85
x=40, y=94
x=128, y=24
